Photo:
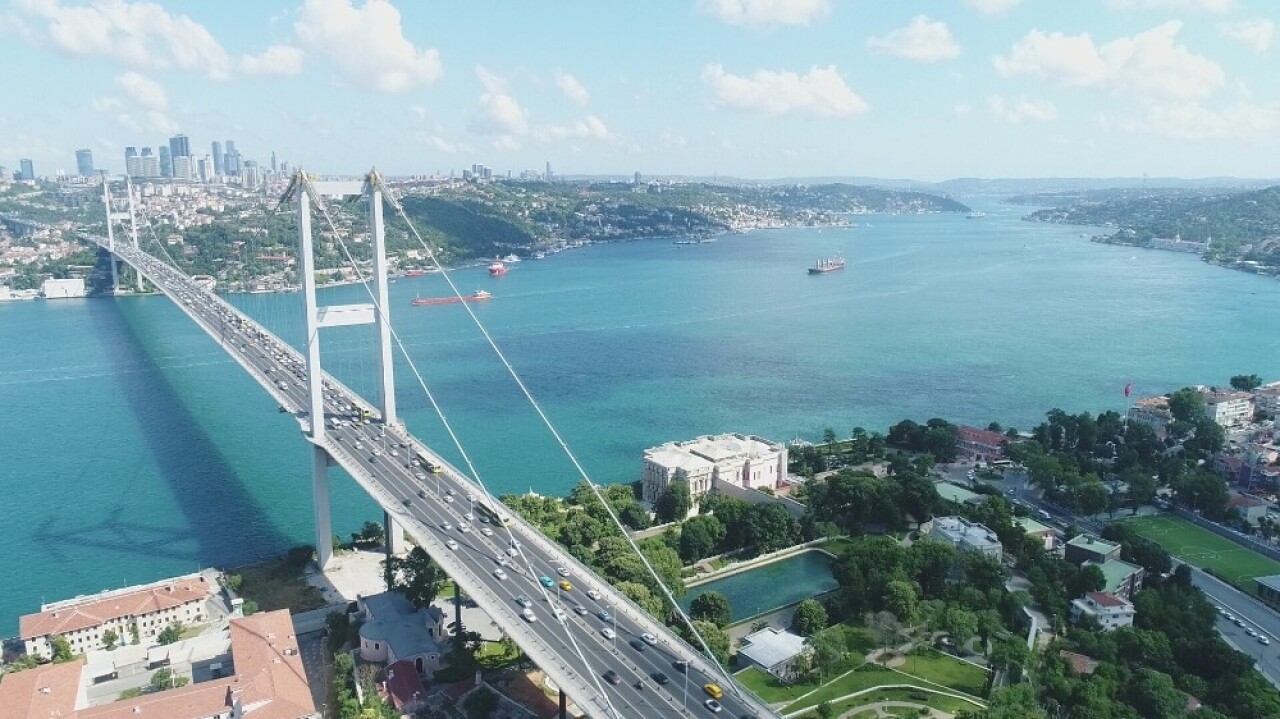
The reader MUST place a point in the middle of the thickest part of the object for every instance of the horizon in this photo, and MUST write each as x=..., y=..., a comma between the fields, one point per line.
x=995, y=89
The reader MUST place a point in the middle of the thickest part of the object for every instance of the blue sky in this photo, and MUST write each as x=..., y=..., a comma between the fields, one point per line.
x=751, y=88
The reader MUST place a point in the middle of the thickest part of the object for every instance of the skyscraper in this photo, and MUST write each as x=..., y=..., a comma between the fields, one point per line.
x=166, y=161
x=28, y=171
x=217, y=157
x=130, y=153
x=84, y=162
x=275, y=167
x=179, y=146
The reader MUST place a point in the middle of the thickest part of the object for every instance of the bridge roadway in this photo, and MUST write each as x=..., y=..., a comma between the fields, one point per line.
x=431, y=508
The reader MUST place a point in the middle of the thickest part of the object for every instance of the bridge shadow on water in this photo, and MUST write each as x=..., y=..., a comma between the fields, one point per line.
x=220, y=523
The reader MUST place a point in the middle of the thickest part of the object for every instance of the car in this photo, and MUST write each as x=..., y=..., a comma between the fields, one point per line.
x=523, y=601
x=464, y=527
x=637, y=645
x=513, y=552
x=713, y=705
x=471, y=497
x=559, y=614
x=1222, y=612
x=565, y=586
x=499, y=574
x=608, y=633
x=449, y=492
x=593, y=594
x=562, y=571
x=503, y=561
x=446, y=526
x=377, y=451
x=422, y=493
x=486, y=531
x=681, y=666
x=1239, y=623
x=448, y=499
x=484, y=520
x=546, y=582
x=660, y=678
x=420, y=475
x=612, y=677
x=604, y=616
x=1264, y=641
x=1250, y=632
x=407, y=502
x=451, y=544
x=394, y=453
x=649, y=638
x=579, y=610
x=1229, y=616
x=529, y=616
x=713, y=689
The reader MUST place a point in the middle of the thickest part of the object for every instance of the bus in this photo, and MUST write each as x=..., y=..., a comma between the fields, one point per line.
x=497, y=516
x=429, y=464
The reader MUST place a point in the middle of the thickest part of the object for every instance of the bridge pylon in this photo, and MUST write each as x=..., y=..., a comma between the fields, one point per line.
x=303, y=190
x=114, y=217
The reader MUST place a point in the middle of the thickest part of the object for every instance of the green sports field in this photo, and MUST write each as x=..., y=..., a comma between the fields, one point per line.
x=1204, y=549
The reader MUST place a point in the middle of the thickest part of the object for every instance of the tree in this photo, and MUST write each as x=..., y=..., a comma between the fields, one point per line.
x=370, y=534
x=415, y=576
x=771, y=527
x=1202, y=490
x=712, y=607
x=1246, y=382
x=1187, y=405
x=829, y=439
x=1017, y=701
x=809, y=618
x=61, y=649
x=1092, y=497
x=714, y=636
x=634, y=516
x=171, y=633
x=110, y=638
x=700, y=536
x=1011, y=655
x=673, y=503
x=1154, y=695
x=481, y=703
x=829, y=653
x=884, y=629
x=166, y=678
x=959, y=624
x=1142, y=488
x=900, y=599
x=249, y=607
x=826, y=711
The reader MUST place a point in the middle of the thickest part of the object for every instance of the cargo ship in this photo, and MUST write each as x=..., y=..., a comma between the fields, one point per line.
x=497, y=269
x=827, y=264
x=477, y=296
x=414, y=273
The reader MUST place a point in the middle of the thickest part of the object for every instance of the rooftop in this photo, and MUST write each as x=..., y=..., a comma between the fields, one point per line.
x=958, y=529
x=1103, y=599
x=1031, y=526
x=771, y=647
x=41, y=693
x=1244, y=500
x=955, y=493
x=981, y=436
x=1093, y=544
x=1082, y=664
x=715, y=449
x=1115, y=571
x=394, y=620
x=1271, y=581
x=84, y=612
x=1220, y=397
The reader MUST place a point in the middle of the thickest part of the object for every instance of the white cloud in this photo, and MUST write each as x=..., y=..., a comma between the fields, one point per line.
x=440, y=144
x=367, y=44
x=991, y=7
x=1192, y=121
x=1149, y=64
x=277, y=60
x=588, y=127
x=1216, y=7
x=506, y=142
x=1256, y=33
x=922, y=39
x=671, y=138
x=571, y=88
x=821, y=92
x=765, y=13
x=143, y=90
x=141, y=35
x=1021, y=110
x=500, y=113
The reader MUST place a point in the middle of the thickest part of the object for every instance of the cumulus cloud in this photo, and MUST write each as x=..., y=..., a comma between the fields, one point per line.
x=1215, y=7
x=765, y=13
x=571, y=88
x=1192, y=121
x=991, y=7
x=139, y=35
x=277, y=60
x=1149, y=64
x=922, y=39
x=143, y=90
x=590, y=127
x=366, y=44
x=1256, y=33
x=821, y=92
x=500, y=113
x=1021, y=110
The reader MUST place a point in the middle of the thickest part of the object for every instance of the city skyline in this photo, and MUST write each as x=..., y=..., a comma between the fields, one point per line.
x=744, y=88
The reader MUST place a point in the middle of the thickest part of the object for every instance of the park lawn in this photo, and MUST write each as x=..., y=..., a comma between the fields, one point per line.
x=867, y=676
x=1204, y=549
x=948, y=671
x=836, y=545
x=770, y=688
x=941, y=702
x=856, y=640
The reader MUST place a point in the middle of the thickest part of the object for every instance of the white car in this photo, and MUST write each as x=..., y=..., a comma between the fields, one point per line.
x=512, y=551
x=451, y=544
x=499, y=574
x=464, y=527
x=486, y=531
x=446, y=526
x=608, y=633
x=523, y=601
x=562, y=571
x=593, y=594
x=529, y=616
x=649, y=639
x=561, y=615
x=448, y=499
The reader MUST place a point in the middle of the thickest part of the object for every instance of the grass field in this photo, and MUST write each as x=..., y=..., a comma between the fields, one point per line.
x=1204, y=549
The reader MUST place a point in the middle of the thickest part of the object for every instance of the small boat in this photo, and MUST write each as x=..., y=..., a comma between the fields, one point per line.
x=497, y=269
x=477, y=296
x=511, y=259
x=827, y=264
x=414, y=273
x=975, y=215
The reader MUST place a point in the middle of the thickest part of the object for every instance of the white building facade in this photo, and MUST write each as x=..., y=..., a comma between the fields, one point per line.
x=1229, y=409
x=741, y=460
x=1111, y=612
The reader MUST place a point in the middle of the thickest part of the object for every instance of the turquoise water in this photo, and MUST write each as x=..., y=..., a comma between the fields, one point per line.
x=768, y=587
x=135, y=449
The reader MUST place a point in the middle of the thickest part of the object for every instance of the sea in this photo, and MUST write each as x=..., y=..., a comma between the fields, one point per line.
x=134, y=448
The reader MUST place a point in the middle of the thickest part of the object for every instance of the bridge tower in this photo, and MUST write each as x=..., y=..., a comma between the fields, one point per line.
x=114, y=217
x=318, y=317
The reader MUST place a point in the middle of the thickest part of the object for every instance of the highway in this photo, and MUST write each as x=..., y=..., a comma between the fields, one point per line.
x=567, y=636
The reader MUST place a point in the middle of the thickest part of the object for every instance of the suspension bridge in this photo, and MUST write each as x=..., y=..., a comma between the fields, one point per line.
x=599, y=648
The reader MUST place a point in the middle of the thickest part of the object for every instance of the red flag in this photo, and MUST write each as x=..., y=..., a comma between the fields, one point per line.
x=1127, y=389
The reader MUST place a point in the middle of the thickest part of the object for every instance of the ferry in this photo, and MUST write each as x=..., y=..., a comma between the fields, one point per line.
x=497, y=269
x=477, y=296
x=827, y=264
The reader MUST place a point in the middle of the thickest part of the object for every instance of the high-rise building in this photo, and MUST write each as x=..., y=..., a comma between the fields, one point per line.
x=217, y=157
x=183, y=169
x=129, y=154
x=166, y=161
x=275, y=167
x=230, y=149
x=148, y=164
x=84, y=162
x=547, y=177
x=28, y=171
x=179, y=146
x=250, y=177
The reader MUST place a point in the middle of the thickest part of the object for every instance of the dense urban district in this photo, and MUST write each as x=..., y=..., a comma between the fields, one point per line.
x=242, y=238
x=1091, y=567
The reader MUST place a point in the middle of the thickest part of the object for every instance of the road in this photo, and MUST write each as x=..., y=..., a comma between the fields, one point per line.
x=568, y=643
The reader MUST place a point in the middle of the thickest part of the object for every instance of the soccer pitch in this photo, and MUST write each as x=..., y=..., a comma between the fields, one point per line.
x=1204, y=549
